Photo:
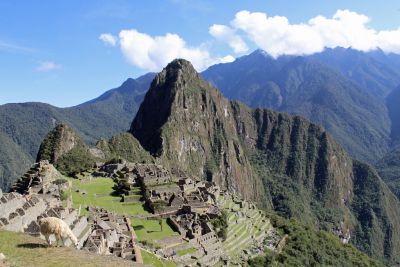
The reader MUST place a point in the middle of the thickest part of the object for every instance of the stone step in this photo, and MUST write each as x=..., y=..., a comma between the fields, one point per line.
x=242, y=244
x=237, y=227
x=232, y=240
x=19, y=223
x=10, y=205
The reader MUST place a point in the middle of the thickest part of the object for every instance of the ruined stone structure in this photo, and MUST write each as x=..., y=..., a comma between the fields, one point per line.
x=41, y=178
x=112, y=235
x=199, y=232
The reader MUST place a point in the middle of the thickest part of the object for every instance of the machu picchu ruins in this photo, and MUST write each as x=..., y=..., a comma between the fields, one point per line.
x=189, y=205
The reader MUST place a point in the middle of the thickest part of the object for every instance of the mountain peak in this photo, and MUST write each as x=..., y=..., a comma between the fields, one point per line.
x=58, y=142
x=177, y=71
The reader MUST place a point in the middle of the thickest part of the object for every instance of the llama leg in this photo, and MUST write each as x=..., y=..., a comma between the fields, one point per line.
x=57, y=240
x=48, y=239
x=63, y=241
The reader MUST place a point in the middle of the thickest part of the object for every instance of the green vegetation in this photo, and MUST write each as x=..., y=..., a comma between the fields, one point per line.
x=124, y=146
x=71, y=156
x=152, y=260
x=24, y=250
x=150, y=230
x=66, y=150
x=13, y=161
x=307, y=247
x=183, y=252
x=75, y=161
x=220, y=225
x=373, y=207
x=98, y=193
x=389, y=170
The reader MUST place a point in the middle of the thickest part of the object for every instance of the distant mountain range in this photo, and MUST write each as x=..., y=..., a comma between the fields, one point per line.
x=341, y=89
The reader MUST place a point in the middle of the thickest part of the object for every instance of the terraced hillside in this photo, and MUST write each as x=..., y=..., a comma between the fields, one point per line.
x=249, y=229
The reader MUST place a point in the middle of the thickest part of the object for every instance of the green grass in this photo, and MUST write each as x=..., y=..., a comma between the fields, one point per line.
x=24, y=250
x=150, y=230
x=152, y=260
x=102, y=186
x=186, y=251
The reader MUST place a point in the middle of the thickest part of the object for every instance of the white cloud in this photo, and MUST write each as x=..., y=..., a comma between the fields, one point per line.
x=108, y=38
x=155, y=52
x=277, y=36
x=224, y=33
x=47, y=66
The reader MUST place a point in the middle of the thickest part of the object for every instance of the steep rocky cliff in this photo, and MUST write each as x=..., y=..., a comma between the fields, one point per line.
x=285, y=163
x=188, y=123
x=66, y=150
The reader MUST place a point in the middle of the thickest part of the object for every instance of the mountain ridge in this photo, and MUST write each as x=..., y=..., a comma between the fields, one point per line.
x=304, y=85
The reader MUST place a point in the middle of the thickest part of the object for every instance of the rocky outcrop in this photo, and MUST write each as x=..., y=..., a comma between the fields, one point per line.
x=41, y=177
x=122, y=146
x=57, y=143
x=66, y=150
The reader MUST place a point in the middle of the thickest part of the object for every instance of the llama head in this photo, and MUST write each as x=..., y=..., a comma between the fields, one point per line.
x=40, y=220
x=75, y=241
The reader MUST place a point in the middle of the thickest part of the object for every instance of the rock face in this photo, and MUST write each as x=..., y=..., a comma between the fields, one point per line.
x=57, y=143
x=66, y=150
x=285, y=163
x=188, y=123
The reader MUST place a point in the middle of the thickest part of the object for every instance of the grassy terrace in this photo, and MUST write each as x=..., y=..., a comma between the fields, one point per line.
x=186, y=251
x=98, y=194
x=152, y=260
x=24, y=250
x=239, y=234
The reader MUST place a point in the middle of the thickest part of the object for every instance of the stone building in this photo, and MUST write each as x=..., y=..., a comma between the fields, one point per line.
x=112, y=234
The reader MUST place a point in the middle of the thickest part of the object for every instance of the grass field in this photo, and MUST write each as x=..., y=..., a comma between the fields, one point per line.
x=22, y=250
x=152, y=260
x=186, y=251
x=150, y=230
x=96, y=189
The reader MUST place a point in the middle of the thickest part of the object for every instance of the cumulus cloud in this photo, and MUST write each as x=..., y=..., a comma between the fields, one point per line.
x=224, y=33
x=277, y=36
x=154, y=52
x=108, y=38
x=47, y=66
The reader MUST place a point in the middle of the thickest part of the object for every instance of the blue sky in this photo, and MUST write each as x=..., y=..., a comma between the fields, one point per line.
x=50, y=51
